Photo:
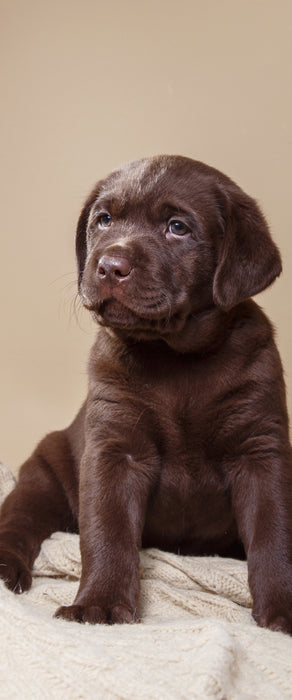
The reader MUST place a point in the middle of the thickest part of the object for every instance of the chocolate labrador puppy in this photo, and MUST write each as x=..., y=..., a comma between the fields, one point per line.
x=183, y=440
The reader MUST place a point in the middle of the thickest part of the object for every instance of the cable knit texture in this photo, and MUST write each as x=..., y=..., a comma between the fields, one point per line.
x=197, y=638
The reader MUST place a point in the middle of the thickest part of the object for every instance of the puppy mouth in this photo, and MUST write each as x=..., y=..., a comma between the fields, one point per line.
x=153, y=314
x=150, y=312
x=112, y=312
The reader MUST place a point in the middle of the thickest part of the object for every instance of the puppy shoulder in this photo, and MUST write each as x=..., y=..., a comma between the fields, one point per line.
x=251, y=322
x=253, y=337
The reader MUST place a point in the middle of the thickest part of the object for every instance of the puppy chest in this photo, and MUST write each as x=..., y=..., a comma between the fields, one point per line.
x=189, y=502
x=191, y=498
x=184, y=417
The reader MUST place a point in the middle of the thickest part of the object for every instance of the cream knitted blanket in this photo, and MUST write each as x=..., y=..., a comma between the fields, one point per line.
x=196, y=640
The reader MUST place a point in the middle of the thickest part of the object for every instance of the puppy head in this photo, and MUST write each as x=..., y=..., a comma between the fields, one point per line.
x=165, y=238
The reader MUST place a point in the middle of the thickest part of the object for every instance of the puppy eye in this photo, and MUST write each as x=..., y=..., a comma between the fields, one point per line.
x=104, y=220
x=179, y=228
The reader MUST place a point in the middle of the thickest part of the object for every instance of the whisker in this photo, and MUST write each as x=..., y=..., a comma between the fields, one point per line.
x=74, y=303
x=76, y=311
x=76, y=308
x=66, y=274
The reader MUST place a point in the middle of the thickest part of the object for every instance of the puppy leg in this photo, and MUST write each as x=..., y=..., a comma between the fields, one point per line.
x=33, y=510
x=262, y=500
x=114, y=492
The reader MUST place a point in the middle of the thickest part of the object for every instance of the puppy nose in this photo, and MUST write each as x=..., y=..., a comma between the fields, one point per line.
x=113, y=266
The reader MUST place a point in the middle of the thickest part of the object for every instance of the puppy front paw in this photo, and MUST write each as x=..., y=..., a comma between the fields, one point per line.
x=120, y=614
x=281, y=623
x=14, y=572
x=278, y=621
x=95, y=614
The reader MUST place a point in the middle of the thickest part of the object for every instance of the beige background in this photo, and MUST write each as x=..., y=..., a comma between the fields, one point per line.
x=87, y=85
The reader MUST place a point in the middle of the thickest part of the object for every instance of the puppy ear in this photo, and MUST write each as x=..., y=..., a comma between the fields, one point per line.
x=81, y=231
x=248, y=260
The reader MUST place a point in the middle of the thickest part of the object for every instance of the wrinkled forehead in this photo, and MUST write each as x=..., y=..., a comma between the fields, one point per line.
x=152, y=182
x=137, y=182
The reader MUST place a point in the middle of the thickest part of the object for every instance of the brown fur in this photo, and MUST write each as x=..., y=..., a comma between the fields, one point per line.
x=183, y=441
